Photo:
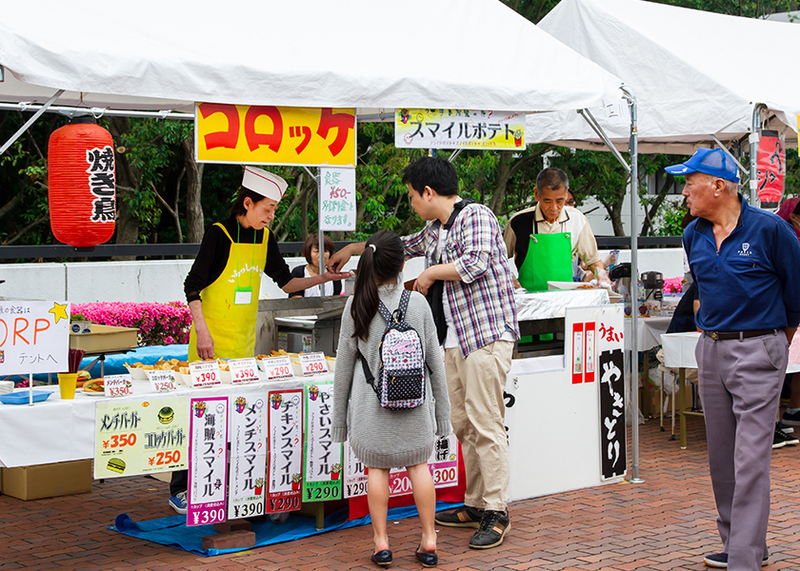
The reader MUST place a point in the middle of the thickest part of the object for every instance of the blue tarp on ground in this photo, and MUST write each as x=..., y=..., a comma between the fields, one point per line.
x=173, y=531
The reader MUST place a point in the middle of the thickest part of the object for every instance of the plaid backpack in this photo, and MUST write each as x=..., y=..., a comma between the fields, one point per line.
x=401, y=378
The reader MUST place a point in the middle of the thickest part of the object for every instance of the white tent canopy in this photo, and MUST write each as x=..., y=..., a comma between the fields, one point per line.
x=695, y=75
x=367, y=54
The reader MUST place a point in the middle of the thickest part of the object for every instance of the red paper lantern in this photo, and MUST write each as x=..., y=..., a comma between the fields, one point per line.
x=81, y=182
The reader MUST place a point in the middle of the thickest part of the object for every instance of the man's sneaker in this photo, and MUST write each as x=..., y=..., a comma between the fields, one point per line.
x=178, y=502
x=492, y=530
x=720, y=560
x=782, y=439
x=792, y=419
x=464, y=516
x=785, y=427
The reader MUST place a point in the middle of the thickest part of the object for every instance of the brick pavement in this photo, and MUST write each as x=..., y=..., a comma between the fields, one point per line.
x=666, y=523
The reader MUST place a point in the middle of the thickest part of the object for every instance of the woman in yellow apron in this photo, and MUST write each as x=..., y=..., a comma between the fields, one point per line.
x=222, y=286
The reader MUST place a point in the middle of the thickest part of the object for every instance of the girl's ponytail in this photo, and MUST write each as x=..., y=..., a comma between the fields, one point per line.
x=380, y=263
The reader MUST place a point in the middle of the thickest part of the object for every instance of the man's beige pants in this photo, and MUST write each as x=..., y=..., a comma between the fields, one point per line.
x=477, y=411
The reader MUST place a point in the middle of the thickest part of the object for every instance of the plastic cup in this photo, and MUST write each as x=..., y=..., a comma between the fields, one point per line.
x=66, y=384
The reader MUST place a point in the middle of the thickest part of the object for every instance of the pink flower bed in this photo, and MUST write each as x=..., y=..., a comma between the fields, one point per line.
x=673, y=285
x=158, y=323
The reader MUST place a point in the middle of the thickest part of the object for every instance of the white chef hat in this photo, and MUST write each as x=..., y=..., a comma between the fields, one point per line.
x=264, y=183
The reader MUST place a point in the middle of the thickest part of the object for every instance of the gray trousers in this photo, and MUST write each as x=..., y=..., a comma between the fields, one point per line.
x=740, y=382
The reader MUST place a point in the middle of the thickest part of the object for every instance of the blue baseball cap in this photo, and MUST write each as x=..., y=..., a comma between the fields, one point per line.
x=709, y=161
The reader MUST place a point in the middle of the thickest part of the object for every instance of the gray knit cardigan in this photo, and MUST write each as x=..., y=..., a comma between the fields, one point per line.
x=379, y=437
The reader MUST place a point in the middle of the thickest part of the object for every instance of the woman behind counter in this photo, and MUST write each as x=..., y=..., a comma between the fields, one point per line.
x=311, y=269
x=223, y=285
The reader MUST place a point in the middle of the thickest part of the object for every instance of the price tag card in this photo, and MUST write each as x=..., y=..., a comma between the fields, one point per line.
x=205, y=373
x=278, y=367
x=313, y=363
x=243, y=370
x=118, y=385
x=162, y=381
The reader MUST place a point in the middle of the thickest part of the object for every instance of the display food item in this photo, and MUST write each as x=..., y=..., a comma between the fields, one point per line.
x=83, y=377
x=223, y=365
x=116, y=465
x=166, y=415
x=94, y=386
x=333, y=359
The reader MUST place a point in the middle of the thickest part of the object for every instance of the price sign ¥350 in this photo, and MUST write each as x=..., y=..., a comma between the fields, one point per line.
x=118, y=385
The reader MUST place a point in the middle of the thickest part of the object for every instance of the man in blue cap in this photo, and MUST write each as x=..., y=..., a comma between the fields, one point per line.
x=745, y=263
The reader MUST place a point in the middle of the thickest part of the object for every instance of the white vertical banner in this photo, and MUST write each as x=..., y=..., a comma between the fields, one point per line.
x=337, y=199
x=355, y=474
x=285, y=470
x=208, y=460
x=248, y=463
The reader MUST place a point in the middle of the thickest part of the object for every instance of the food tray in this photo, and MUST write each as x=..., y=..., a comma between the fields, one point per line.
x=22, y=397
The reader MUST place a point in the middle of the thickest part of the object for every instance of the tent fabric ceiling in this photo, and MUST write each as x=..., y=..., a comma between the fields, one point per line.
x=367, y=54
x=694, y=74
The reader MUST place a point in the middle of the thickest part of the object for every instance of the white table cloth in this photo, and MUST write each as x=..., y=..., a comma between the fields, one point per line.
x=58, y=430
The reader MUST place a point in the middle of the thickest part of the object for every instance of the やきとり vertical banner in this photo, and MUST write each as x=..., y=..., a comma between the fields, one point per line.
x=34, y=337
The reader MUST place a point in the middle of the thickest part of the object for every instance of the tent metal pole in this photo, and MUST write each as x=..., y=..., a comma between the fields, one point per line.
x=98, y=111
x=30, y=122
x=321, y=235
x=734, y=159
x=753, y=139
x=634, y=170
x=589, y=118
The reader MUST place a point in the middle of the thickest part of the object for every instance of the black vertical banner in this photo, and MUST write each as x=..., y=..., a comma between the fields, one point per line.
x=613, y=451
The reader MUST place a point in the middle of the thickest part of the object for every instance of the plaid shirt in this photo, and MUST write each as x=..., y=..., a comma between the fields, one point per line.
x=485, y=296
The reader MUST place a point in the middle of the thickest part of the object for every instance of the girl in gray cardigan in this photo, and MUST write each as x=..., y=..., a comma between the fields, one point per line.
x=382, y=438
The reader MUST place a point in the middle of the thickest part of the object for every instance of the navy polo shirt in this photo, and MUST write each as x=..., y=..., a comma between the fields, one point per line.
x=753, y=282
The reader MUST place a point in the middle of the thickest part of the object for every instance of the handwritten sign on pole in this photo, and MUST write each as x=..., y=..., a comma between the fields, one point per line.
x=337, y=201
x=260, y=134
x=34, y=337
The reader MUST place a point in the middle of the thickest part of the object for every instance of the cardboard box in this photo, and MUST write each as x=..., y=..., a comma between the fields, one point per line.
x=650, y=401
x=105, y=339
x=47, y=480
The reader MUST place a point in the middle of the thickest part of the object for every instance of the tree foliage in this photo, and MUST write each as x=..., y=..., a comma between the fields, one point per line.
x=155, y=171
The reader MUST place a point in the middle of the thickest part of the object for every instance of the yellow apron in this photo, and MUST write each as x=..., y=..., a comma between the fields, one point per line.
x=233, y=326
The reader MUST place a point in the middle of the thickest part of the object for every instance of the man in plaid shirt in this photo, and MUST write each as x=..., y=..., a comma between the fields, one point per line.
x=465, y=249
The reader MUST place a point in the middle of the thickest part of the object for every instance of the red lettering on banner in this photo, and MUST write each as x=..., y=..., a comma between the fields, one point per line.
x=342, y=122
x=270, y=140
x=226, y=139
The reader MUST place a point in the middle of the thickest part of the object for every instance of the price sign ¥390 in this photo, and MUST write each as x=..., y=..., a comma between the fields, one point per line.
x=243, y=370
x=204, y=373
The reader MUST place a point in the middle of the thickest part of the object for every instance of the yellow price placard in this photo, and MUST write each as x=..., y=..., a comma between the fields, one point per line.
x=262, y=134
